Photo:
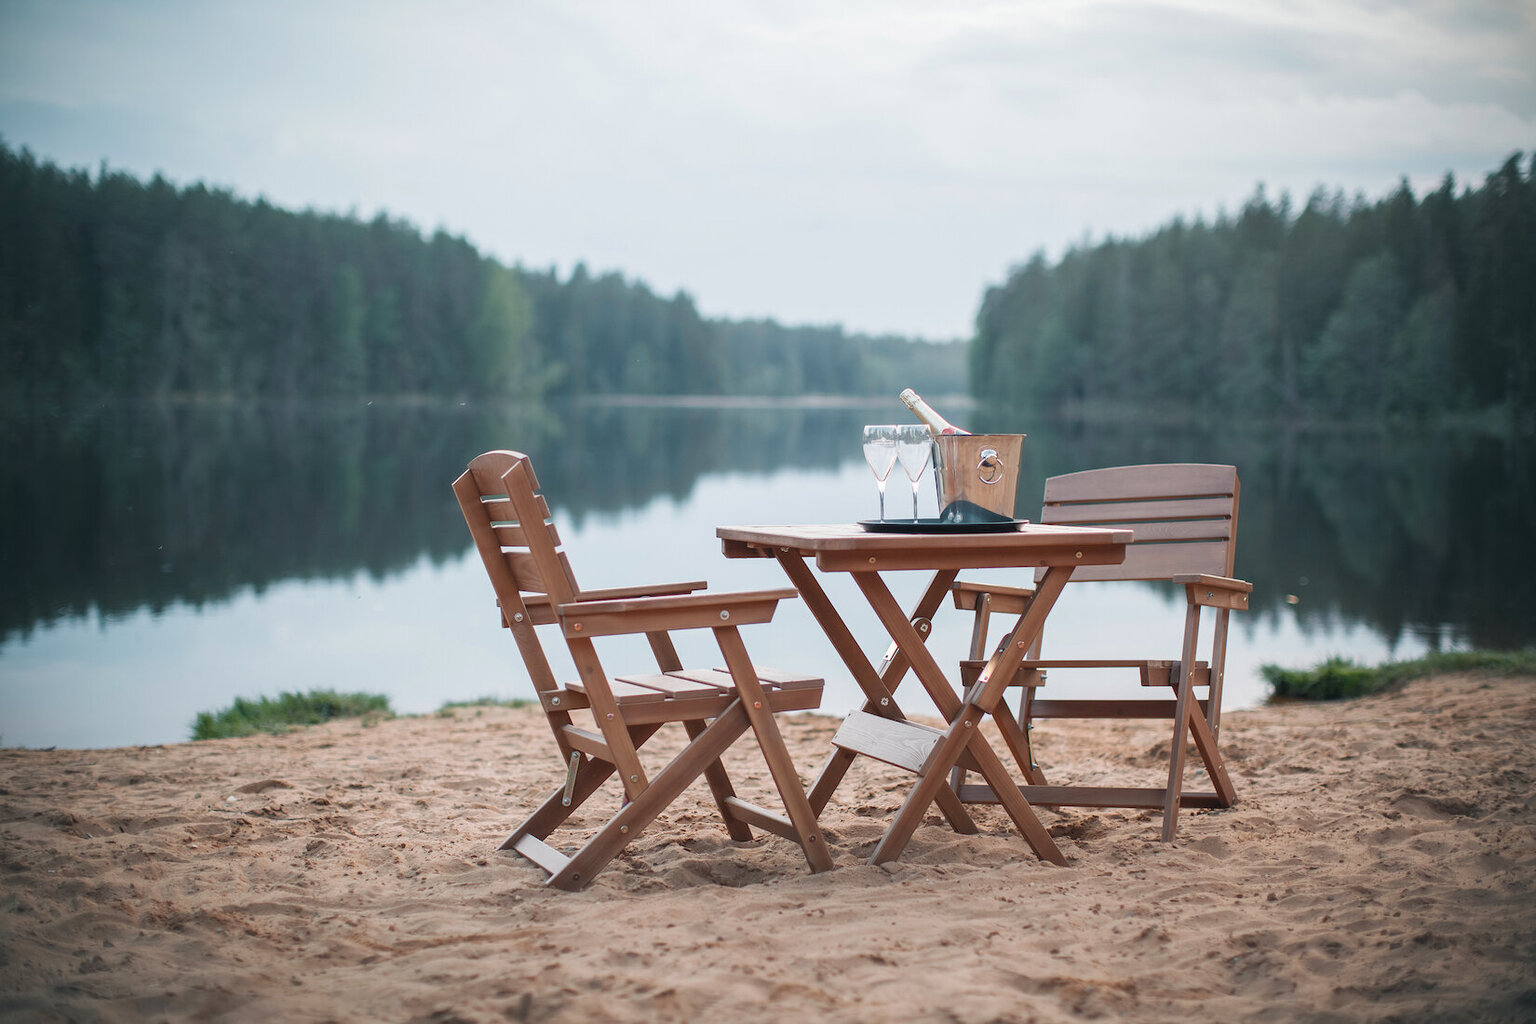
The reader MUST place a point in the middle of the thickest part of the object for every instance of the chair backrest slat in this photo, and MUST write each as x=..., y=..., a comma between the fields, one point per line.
x=1157, y=481
x=1136, y=511
x=1184, y=516
x=1159, y=562
x=519, y=546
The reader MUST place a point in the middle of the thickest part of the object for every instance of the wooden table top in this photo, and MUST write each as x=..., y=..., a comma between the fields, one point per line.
x=850, y=548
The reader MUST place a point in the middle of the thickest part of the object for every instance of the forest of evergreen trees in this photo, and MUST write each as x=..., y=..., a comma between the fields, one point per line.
x=111, y=287
x=1398, y=308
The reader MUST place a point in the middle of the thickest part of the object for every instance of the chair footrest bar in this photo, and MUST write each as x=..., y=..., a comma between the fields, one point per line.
x=899, y=743
x=1091, y=796
x=542, y=854
x=761, y=817
x=1162, y=709
x=589, y=743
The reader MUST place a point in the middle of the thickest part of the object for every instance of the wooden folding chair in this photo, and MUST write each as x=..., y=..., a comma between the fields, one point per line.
x=510, y=522
x=1185, y=521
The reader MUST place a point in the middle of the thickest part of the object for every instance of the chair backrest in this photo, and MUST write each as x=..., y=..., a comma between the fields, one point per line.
x=510, y=523
x=1184, y=516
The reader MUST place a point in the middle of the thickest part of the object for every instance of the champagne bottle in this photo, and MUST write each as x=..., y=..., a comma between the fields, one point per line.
x=925, y=412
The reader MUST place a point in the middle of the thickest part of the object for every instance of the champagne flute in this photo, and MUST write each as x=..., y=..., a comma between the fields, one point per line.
x=914, y=446
x=880, y=453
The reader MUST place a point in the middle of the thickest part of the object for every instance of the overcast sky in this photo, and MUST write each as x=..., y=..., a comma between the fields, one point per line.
x=871, y=164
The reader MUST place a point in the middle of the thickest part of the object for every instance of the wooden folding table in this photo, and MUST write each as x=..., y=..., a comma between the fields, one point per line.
x=880, y=729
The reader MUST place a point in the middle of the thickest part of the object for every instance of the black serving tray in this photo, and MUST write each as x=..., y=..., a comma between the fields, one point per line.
x=940, y=526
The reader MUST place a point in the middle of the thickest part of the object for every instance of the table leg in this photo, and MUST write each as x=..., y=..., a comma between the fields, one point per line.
x=878, y=687
x=964, y=734
x=982, y=699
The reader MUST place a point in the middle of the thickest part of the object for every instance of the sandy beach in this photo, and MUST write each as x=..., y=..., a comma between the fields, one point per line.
x=1380, y=865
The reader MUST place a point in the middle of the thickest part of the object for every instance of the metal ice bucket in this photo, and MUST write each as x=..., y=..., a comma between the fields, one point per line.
x=982, y=469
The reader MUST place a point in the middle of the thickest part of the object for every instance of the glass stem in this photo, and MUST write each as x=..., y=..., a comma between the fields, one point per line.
x=914, y=499
x=881, y=485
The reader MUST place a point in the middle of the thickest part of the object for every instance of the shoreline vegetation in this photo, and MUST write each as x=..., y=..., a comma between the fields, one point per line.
x=1334, y=679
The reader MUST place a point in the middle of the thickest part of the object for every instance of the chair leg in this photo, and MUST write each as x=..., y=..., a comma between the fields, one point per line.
x=1210, y=753
x=720, y=787
x=1181, y=715
x=771, y=742
x=639, y=812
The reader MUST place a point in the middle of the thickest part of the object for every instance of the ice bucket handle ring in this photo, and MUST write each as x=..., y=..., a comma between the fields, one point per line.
x=990, y=469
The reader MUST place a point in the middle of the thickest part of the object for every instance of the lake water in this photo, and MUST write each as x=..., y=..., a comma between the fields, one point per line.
x=164, y=561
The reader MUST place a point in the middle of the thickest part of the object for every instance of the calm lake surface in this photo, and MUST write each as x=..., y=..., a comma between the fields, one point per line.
x=164, y=561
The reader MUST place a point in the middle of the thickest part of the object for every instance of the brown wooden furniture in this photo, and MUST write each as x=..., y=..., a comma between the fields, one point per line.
x=1185, y=521
x=880, y=729
x=510, y=522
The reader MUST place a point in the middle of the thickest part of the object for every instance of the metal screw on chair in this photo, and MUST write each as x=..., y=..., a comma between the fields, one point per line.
x=725, y=616
x=885, y=701
x=576, y=627
x=634, y=778
x=518, y=617
x=554, y=702
x=623, y=828
x=757, y=704
x=610, y=716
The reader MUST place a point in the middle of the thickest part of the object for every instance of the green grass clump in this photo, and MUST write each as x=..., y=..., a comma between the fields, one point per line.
x=249, y=717
x=479, y=704
x=485, y=702
x=1339, y=678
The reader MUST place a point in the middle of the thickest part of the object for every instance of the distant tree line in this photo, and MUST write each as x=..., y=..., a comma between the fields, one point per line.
x=1400, y=307
x=110, y=286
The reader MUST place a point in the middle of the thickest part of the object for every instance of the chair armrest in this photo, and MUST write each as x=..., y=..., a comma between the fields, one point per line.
x=542, y=612
x=653, y=590
x=967, y=595
x=684, y=611
x=1215, y=591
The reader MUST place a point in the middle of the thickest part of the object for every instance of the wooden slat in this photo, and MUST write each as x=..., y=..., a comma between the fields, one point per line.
x=1182, y=530
x=1159, y=562
x=500, y=505
x=682, y=709
x=686, y=611
x=542, y=854
x=512, y=535
x=562, y=700
x=525, y=571
x=785, y=680
x=674, y=684
x=1158, y=709
x=1158, y=480
x=1005, y=600
x=761, y=817
x=541, y=611
x=623, y=693
x=901, y=744
x=717, y=677
x=1129, y=513
x=588, y=743
x=647, y=590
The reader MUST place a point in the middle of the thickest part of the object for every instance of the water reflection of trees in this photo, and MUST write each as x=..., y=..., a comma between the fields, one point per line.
x=115, y=509
x=1402, y=533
